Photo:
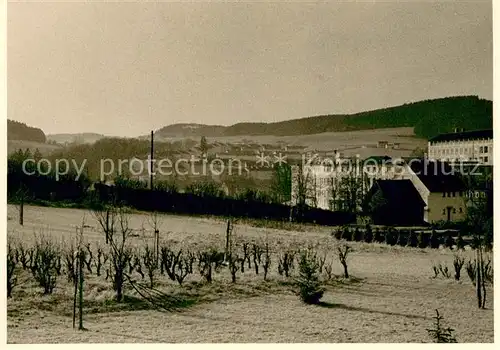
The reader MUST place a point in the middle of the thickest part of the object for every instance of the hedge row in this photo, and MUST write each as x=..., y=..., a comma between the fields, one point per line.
x=391, y=236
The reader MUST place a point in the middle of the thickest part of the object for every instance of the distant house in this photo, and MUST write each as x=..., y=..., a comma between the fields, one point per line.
x=462, y=145
x=382, y=144
x=441, y=189
x=394, y=202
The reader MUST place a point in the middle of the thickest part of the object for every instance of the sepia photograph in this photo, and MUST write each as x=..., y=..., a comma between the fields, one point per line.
x=249, y=172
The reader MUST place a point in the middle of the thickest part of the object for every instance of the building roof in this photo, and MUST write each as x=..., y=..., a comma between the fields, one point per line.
x=437, y=176
x=399, y=192
x=464, y=135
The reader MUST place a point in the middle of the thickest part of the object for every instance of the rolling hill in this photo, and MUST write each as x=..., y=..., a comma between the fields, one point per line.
x=20, y=131
x=429, y=118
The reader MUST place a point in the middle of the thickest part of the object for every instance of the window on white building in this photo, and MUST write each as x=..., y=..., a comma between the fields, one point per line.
x=485, y=149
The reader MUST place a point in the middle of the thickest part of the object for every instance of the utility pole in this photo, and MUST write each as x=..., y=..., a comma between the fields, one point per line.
x=151, y=187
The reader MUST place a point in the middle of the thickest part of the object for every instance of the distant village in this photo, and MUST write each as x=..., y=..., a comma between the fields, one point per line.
x=414, y=192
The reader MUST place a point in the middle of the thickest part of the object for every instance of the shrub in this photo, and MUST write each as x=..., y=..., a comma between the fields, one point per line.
x=120, y=257
x=470, y=267
x=285, y=263
x=208, y=262
x=310, y=289
x=23, y=255
x=402, y=238
x=88, y=263
x=449, y=241
x=70, y=258
x=434, y=240
x=440, y=334
x=435, y=268
x=102, y=258
x=343, y=251
x=412, y=239
x=379, y=235
x=488, y=240
x=246, y=257
x=257, y=252
x=337, y=234
x=423, y=239
x=169, y=261
x=460, y=241
x=329, y=271
x=267, y=261
x=151, y=263
x=347, y=234
x=368, y=238
x=184, y=268
x=358, y=235
x=487, y=271
x=233, y=266
x=458, y=263
x=44, y=266
x=11, y=267
x=444, y=271
x=390, y=236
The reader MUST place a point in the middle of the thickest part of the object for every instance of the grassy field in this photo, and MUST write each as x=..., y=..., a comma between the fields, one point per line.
x=351, y=143
x=390, y=297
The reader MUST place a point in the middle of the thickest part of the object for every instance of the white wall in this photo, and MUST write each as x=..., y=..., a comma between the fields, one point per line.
x=462, y=150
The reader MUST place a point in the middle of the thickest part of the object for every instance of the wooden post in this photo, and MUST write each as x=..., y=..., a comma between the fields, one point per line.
x=21, y=211
x=157, y=244
x=107, y=225
x=478, y=277
x=151, y=186
x=229, y=228
x=80, y=296
x=483, y=285
x=75, y=283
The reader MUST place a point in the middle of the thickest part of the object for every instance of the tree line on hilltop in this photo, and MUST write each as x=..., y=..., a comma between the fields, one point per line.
x=429, y=118
x=20, y=131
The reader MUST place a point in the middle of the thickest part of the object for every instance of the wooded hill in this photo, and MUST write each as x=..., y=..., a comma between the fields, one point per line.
x=20, y=131
x=429, y=118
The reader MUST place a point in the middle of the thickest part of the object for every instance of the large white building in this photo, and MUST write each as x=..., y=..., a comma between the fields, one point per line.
x=468, y=146
x=323, y=182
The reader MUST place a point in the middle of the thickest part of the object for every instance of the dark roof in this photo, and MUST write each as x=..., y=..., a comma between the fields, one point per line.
x=464, y=135
x=400, y=192
x=437, y=176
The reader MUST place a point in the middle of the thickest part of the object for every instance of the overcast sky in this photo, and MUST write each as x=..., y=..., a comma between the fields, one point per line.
x=126, y=68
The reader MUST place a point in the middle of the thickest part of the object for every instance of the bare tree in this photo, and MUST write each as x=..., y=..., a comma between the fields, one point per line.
x=155, y=223
x=106, y=216
x=303, y=189
x=11, y=267
x=151, y=263
x=343, y=251
x=229, y=243
x=120, y=252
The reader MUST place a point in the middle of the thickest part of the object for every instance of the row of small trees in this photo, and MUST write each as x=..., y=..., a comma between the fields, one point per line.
x=118, y=259
x=391, y=236
x=47, y=261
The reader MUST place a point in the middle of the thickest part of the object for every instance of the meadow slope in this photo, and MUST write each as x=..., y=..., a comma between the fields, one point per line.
x=392, y=297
